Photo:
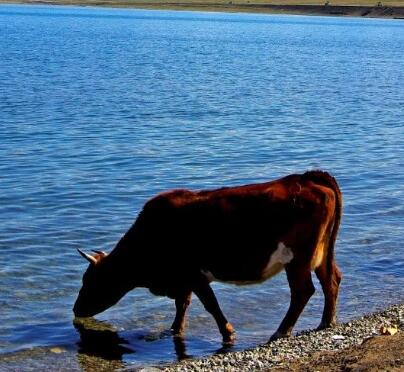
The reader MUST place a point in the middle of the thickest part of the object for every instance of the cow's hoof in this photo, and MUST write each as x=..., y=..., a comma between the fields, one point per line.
x=277, y=335
x=325, y=325
x=229, y=335
x=229, y=340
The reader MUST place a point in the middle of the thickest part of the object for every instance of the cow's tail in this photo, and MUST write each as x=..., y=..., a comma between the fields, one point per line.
x=325, y=179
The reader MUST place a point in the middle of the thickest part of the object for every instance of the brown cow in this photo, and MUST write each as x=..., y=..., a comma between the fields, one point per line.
x=183, y=240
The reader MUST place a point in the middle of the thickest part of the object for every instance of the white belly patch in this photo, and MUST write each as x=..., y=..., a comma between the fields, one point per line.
x=280, y=257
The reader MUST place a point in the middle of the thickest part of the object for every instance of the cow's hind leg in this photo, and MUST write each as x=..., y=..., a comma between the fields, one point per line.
x=301, y=288
x=209, y=301
x=182, y=301
x=330, y=278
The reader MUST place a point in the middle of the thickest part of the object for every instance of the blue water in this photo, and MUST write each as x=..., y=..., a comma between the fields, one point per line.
x=100, y=109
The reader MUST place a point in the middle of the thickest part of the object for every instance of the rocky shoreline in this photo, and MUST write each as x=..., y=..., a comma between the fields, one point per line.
x=281, y=354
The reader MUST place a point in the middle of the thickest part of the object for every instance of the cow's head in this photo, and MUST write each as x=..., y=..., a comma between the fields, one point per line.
x=102, y=286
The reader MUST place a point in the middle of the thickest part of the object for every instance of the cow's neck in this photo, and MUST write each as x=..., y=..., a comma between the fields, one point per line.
x=125, y=263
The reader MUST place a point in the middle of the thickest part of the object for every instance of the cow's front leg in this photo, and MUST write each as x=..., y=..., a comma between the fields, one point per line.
x=301, y=288
x=209, y=301
x=182, y=301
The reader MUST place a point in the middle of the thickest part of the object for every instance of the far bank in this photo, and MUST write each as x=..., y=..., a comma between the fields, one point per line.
x=360, y=8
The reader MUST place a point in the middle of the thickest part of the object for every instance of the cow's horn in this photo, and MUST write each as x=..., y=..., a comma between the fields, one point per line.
x=88, y=257
x=99, y=252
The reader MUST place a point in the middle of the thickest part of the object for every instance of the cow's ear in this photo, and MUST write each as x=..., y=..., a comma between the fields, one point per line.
x=88, y=257
x=102, y=254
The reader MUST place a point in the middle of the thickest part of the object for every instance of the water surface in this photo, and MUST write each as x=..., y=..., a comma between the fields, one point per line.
x=100, y=109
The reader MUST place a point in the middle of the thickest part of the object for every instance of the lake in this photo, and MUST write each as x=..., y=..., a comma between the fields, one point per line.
x=100, y=109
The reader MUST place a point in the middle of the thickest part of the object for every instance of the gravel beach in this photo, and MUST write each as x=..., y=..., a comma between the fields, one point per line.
x=327, y=349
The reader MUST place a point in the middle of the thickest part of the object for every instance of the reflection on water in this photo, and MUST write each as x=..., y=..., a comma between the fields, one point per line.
x=100, y=339
x=180, y=348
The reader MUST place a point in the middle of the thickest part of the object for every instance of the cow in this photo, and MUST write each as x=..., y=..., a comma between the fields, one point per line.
x=183, y=240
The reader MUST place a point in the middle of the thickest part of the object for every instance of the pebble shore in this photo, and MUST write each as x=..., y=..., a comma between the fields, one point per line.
x=304, y=344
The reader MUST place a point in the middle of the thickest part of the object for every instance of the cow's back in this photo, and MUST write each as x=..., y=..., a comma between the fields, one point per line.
x=229, y=232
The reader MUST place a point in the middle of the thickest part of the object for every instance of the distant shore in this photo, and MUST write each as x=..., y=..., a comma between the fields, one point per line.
x=360, y=8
